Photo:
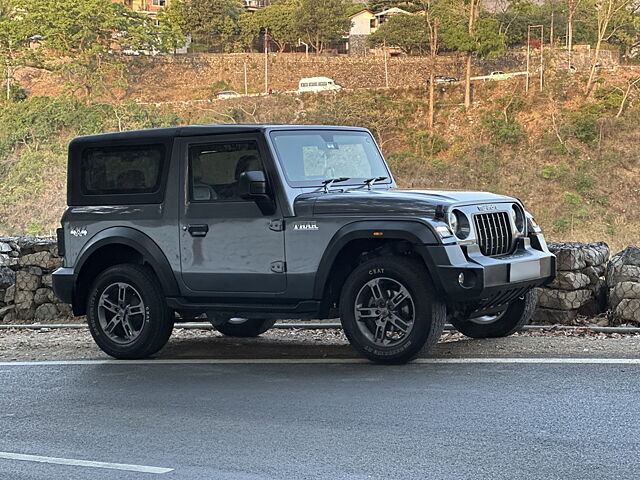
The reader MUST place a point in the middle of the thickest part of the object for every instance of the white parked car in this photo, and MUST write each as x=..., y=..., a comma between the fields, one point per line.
x=227, y=94
x=317, y=84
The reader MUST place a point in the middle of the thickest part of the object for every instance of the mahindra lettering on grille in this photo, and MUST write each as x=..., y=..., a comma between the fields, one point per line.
x=494, y=233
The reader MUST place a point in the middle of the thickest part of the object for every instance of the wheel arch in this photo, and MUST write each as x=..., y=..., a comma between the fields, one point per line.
x=114, y=246
x=356, y=239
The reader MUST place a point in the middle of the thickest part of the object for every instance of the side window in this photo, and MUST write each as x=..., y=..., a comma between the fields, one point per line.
x=121, y=170
x=214, y=169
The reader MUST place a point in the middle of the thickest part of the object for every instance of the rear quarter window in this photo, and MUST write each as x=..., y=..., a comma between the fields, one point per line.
x=126, y=170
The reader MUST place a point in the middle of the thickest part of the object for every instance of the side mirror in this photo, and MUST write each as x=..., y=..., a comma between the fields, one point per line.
x=252, y=185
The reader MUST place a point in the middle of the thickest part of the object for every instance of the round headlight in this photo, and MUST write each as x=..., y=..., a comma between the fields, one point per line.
x=459, y=224
x=518, y=218
x=453, y=222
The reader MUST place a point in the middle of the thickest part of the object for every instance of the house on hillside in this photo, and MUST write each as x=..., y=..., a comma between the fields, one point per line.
x=363, y=24
x=150, y=7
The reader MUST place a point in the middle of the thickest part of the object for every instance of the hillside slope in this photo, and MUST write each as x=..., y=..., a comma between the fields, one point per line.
x=571, y=161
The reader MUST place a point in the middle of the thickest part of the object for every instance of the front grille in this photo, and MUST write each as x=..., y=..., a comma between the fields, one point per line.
x=494, y=233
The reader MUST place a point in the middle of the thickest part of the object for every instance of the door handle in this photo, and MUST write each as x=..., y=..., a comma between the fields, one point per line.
x=199, y=230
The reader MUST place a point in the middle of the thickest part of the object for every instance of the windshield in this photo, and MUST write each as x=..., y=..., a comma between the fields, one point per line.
x=309, y=157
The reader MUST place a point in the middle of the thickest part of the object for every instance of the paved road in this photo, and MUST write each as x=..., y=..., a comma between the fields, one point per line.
x=323, y=421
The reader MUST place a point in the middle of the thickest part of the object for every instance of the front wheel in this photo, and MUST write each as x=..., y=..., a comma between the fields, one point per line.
x=245, y=327
x=508, y=322
x=389, y=310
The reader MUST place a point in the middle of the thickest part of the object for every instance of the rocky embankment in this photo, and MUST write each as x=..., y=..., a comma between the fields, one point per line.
x=588, y=283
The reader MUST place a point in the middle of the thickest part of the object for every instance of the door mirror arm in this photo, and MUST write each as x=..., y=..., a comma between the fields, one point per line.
x=252, y=185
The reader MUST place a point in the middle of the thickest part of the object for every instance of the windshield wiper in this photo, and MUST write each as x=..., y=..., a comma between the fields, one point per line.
x=370, y=181
x=326, y=184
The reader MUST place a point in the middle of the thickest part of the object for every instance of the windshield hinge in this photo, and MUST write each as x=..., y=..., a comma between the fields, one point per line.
x=277, y=225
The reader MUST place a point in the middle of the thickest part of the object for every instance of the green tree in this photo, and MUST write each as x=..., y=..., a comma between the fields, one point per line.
x=410, y=33
x=14, y=42
x=380, y=5
x=320, y=23
x=466, y=29
x=82, y=38
x=279, y=18
x=213, y=22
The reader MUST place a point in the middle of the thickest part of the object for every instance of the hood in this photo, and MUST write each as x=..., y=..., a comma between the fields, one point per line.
x=390, y=202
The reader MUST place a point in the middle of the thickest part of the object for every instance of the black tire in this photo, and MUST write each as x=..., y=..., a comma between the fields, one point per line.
x=517, y=315
x=422, y=313
x=152, y=326
x=248, y=328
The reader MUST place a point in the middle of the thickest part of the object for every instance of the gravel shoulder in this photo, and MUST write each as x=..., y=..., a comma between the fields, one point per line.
x=68, y=344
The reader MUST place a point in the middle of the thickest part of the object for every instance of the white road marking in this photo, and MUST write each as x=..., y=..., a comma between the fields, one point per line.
x=304, y=361
x=84, y=463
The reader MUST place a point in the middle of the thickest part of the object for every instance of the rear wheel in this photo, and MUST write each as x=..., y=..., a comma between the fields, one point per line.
x=245, y=327
x=127, y=314
x=389, y=310
x=508, y=322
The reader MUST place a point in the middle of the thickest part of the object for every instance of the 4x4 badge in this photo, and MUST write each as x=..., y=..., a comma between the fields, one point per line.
x=486, y=208
x=78, y=232
x=305, y=226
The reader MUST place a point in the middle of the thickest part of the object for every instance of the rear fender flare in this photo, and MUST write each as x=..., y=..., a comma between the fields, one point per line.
x=143, y=244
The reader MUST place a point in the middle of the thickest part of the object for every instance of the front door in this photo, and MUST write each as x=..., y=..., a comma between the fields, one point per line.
x=227, y=243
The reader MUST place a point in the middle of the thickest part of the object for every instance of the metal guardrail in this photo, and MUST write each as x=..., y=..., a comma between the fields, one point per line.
x=320, y=326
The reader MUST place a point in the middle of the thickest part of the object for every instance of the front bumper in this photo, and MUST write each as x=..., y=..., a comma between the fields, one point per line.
x=486, y=279
x=64, y=280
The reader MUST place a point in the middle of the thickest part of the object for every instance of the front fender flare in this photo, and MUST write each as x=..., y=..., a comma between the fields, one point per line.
x=413, y=231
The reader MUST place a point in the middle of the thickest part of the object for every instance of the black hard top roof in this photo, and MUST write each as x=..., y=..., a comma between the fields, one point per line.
x=195, y=130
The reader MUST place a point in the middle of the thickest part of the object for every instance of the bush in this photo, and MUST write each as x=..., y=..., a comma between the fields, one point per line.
x=501, y=130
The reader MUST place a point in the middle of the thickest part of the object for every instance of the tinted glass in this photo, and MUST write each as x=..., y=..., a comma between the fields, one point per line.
x=309, y=157
x=214, y=169
x=121, y=170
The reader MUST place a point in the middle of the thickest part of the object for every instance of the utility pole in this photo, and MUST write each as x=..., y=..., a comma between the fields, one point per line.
x=386, y=68
x=266, y=60
x=541, y=67
x=306, y=47
x=246, y=85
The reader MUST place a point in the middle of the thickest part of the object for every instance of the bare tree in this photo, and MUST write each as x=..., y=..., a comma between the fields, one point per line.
x=474, y=10
x=606, y=11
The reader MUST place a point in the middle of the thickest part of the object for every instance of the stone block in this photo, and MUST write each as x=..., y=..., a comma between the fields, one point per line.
x=10, y=294
x=27, y=281
x=576, y=256
x=4, y=311
x=570, y=281
x=40, y=259
x=550, y=315
x=623, y=290
x=44, y=295
x=563, y=299
x=64, y=310
x=594, y=273
x=5, y=247
x=628, y=310
x=7, y=277
x=46, y=313
x=47, y=280
x=617, y=273
x=5, y=260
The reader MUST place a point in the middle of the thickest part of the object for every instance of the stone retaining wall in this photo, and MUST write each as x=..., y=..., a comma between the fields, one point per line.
x=579, y=287
x=26, y=296
x=623, y=282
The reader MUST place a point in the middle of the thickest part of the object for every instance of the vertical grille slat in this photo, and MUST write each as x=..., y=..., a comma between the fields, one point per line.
x=493, y=231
